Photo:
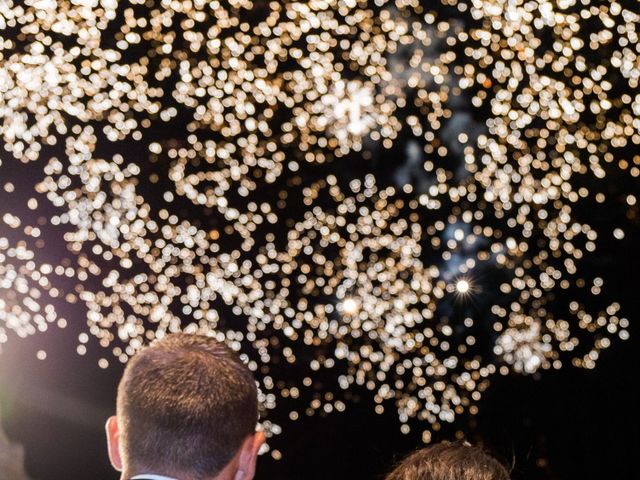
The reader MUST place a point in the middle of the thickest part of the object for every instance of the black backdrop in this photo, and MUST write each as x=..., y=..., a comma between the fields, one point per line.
x=569, y=424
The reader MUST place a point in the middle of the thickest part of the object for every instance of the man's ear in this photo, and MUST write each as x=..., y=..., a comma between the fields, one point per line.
x=113, y=443
x=249, y=456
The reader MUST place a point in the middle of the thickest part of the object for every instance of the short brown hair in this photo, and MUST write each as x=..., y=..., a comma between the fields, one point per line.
x=185, y=405
x=450, y=461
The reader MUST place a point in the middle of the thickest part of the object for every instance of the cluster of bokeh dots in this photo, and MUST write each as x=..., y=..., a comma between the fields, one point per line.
x=191, y=157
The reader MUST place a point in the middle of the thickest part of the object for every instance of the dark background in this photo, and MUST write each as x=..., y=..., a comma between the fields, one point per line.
x=569, y=424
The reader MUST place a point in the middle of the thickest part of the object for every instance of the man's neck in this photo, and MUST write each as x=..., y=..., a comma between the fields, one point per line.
x=228, y=473
x=156, y=476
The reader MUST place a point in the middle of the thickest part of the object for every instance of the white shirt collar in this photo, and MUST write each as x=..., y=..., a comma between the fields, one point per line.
x=148, y=476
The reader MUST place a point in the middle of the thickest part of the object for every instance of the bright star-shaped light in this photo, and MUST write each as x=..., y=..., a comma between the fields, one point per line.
x=463, y=286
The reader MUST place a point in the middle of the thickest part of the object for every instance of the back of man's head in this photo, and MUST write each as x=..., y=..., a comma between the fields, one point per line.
x=449, y=461
x=186, y=406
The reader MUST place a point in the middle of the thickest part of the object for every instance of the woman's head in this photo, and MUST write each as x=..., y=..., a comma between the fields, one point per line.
x=449, y=461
